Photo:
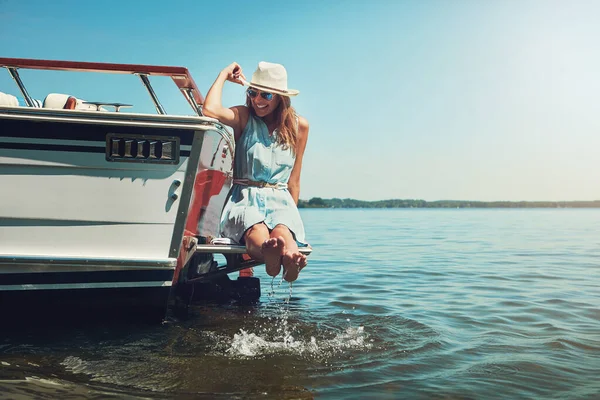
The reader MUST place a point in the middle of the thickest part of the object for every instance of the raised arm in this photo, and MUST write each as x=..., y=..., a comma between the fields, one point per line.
x=294, y=181
x=235, y=117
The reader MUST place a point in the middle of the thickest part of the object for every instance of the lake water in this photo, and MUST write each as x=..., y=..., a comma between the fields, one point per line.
x=398, y=303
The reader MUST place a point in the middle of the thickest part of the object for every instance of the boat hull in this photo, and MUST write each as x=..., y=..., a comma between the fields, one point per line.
x=73, y=306
x=89, y=209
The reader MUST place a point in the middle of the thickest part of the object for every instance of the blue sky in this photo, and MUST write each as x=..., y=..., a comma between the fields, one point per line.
x=474, y=100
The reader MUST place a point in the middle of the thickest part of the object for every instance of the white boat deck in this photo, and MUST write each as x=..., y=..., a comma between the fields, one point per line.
x=234, y=249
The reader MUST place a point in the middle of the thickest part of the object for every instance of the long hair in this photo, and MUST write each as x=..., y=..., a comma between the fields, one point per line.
x=285, y=116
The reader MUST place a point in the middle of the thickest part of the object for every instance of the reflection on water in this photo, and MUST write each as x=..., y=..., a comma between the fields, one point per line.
x=427, y=303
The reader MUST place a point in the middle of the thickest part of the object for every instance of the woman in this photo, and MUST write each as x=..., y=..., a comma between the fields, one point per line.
x=261, y=210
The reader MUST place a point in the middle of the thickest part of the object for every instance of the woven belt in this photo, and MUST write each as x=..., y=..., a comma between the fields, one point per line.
x=248, y=182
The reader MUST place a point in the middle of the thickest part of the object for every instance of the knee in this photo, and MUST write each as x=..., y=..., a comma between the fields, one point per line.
x=258, y=229
x=279, y=229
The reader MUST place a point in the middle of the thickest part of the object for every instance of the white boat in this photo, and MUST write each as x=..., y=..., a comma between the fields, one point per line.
x=98, y=205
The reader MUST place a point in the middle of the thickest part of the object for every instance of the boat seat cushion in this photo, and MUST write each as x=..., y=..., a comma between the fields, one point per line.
x=8, y=100
x=66, y=102
x=59, y=101
x=14, y=101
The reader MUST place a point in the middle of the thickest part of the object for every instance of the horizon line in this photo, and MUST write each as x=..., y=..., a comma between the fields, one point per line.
x=433, y=201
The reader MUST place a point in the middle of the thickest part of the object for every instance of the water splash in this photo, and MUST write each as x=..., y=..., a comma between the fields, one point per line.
x=287, y=338
x=271, y=293
x=290, y=294
x=249, y=344
x=279, y=335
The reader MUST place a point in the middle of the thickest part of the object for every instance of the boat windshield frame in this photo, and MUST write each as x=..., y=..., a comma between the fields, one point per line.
x=180, y=75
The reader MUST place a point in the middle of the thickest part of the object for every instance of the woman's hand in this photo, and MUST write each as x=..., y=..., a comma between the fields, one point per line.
x=233, y=73
x=235, y=117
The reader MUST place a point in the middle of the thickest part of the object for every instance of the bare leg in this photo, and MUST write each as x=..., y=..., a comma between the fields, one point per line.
x=293, y=261
x=262, y=247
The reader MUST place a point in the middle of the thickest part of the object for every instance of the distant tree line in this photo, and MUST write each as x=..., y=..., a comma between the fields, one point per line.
x=318, y=202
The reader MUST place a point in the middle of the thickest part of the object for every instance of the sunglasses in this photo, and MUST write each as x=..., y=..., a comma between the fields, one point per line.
x=265, y=95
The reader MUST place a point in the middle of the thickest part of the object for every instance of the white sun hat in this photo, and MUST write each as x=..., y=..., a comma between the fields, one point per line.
x=271, y=77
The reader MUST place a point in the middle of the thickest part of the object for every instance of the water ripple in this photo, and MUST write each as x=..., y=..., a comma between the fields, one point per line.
x=450, y=304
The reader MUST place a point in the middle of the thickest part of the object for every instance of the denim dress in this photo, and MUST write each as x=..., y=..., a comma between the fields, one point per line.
x=259, y=158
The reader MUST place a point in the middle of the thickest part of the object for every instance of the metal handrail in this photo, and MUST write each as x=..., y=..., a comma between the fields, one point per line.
x=146, y=82
x=15, y=75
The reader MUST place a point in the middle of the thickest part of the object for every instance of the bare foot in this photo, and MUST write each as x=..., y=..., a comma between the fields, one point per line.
x=293, y=262
x=272, y=249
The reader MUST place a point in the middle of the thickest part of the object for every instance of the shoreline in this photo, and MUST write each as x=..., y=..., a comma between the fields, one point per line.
x=317, y=202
